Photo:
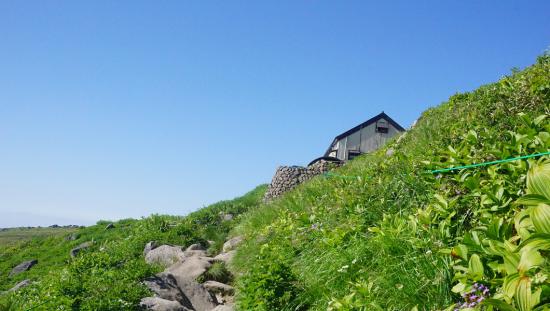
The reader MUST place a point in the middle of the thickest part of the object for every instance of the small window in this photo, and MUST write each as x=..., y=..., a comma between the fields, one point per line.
x=382, y=126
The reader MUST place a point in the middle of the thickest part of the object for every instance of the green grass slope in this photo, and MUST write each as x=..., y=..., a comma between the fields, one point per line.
x=108, y=275
x=11, y=236
x=396, y=237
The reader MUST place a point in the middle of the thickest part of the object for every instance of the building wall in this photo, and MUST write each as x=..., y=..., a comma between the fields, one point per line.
x=364, y=140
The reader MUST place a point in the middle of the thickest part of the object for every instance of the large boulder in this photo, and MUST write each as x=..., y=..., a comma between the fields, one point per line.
x=232, y=244
x=225, y=257
x=160, y=304
x=195, y=250
x=149, y=247
x=228, y=307
x=22, y=267
x=164, y=255
x=217, y=287
x=19, y=285
x=190, y=268
x=75, y=251
x=72, y=237
x=200, y=298
x=165, y=286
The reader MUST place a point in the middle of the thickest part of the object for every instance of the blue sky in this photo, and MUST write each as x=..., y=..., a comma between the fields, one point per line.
x=121, y=109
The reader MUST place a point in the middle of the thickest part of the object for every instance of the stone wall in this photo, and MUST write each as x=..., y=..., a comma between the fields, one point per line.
x=288, y=177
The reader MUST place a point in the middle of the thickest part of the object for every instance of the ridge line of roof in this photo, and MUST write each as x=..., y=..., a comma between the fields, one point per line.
x=370, y=121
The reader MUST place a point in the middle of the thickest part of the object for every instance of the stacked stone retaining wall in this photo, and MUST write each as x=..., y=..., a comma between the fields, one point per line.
x=288, y=177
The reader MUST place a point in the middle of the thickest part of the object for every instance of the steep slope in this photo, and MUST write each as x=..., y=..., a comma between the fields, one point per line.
x=387, y=234
x=108, y=275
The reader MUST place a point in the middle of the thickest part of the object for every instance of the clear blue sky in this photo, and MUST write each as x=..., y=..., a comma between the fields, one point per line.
x=115, y=109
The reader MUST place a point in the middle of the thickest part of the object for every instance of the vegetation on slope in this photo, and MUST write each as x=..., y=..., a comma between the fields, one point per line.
x=108, y=275
x=393, y=236
x=11, y=236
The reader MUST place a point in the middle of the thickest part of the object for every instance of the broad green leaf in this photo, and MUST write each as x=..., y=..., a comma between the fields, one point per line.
x=539, y=119
x=540, y=216
x=538, y=179
x=537, y=241
x=501, y=305
x=535, y=297
x=475, y=266
x=532, y=200
x=529, y=258
x=510, y=285
x=458, y=288
x=460, y=251
x=524, y=297
x=511, y=262
x=441, y=200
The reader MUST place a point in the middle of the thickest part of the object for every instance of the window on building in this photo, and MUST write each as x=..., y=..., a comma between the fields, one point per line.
x=382, y=126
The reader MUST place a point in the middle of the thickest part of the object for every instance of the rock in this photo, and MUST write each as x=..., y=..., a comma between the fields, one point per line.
x=75, y=251
x=226, y=257
x=194, y=253
x=195, y=247
x=201, y=299
x=390, y=152
x=228, y=307
x=159, y=304
x=165, y=286
x=149, y=247
x=72, y=237
x=19, y=285
x=190, y=268
x=195, y=250
x=22, y=267
x=288, y=177
x=110, y=226
x=232, y=243
x=227, y=217
x=217, y=287
x=164, y=255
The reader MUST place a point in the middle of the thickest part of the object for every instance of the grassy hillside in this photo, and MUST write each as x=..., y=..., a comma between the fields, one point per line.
x=107, y=276
x=393, y=236
x=11, y=236
x=383, y=233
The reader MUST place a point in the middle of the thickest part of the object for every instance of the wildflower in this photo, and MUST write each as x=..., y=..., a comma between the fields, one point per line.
x=475, y=296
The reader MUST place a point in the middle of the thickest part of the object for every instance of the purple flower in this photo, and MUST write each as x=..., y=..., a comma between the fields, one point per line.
x=475, y=296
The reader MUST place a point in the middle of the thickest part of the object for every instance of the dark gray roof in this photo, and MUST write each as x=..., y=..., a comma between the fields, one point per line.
x=382, y=115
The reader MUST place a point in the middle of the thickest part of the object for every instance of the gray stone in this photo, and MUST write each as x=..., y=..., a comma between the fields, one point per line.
x=75, y=251
x=149, y=247
x=201, y=299
x=217, y=287
x=72, y=237
x=22, y=267
x=190, y=268
x=20, y=285
x=390, y=152
x=227, y=217
x=165, y=286
x=195, y=247
x=165, y=255
x=159, y=304
x=228, y=307
x=226, y=257
x=288, y=177
x=232, y=243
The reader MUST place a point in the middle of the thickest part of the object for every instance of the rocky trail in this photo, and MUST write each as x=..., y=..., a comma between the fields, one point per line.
x=183, y=285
